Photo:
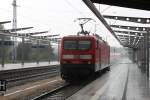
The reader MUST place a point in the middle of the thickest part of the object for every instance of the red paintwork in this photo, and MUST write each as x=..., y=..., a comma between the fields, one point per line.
x=101, y=54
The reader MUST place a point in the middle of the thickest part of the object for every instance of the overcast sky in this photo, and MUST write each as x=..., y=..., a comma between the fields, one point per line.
x=58, y=16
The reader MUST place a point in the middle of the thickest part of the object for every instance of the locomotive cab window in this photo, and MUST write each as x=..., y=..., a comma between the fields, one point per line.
x=77, y=44
x=70, y=45
x=84, y=45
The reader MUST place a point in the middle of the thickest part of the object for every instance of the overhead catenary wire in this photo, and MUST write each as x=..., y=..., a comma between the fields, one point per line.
x=40, y=22
x=75, y=8
x=26, y=17
x=34, y=20
x=106, y=9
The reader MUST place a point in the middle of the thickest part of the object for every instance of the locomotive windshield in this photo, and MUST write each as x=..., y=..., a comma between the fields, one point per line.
x=77, y=44
x=84, y=45
x=70, y=45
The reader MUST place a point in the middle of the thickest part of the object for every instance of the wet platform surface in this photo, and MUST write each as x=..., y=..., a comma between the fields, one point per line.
x=125, y=81
x=27, y=65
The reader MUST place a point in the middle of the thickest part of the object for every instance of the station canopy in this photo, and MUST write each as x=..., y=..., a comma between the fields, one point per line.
x=132, y=35
x=137, y=4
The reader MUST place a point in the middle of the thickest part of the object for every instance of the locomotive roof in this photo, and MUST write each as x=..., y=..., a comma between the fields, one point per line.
x=84, y=36
x=79, y=36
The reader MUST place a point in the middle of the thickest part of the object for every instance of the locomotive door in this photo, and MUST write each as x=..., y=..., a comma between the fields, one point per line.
x=99, y=48
x=98, y=56
x=102, y=55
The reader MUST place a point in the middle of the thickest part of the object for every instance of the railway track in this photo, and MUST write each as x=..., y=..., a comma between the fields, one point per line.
x=51, y=93
x=45, y=93
x=31, y=78
x=18, y=77
x=62, y=92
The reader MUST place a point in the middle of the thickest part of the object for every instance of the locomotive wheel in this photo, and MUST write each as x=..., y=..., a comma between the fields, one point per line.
x=65, y=78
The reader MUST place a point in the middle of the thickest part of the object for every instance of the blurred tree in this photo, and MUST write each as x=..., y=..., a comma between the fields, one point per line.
x=34, y=52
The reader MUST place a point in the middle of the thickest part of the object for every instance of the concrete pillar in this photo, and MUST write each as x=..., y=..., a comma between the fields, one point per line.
x=147, y=53
x=22, y=53
x=142, y=55
x=134, y=55
x=3, y=51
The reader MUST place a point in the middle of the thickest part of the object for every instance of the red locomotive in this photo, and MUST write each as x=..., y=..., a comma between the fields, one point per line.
x=83, y=56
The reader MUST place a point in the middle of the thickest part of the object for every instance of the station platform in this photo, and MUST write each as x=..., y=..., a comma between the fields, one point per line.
x=27, y=65
x=125, y=81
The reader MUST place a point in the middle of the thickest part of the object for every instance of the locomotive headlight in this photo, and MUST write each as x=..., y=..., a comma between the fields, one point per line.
x=85, y=56
x=68, y=56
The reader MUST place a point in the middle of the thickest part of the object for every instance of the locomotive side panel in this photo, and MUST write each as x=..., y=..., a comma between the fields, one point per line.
x=98, y=56
x=104, y=55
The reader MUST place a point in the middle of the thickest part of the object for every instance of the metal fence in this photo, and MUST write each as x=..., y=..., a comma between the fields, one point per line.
x=21, y=49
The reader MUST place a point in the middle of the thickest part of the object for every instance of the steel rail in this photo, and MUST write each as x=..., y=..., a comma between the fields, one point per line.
x=46, y=94
x=31, y=76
